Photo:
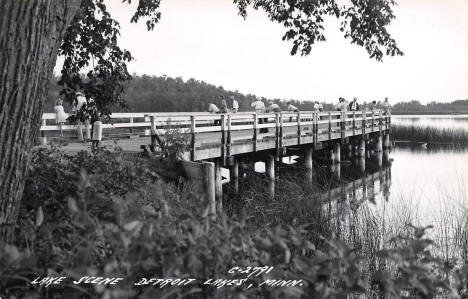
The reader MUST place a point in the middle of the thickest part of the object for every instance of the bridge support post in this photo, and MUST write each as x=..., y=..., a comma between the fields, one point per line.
x=386, y=140
x=362, y=148
x=378, y=143
x=362, y=164
x=234, y=175
x=308, y=162
x=271, y=188
x=349, y=151
x=87, y=130
x=218, y=186
x=43, y=138
x=270, y=167
x=337, y=152
x=79, y=129
x=210, y=187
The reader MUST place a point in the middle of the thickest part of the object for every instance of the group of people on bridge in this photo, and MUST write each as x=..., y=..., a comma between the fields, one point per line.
x=258, y=105
x=84, y=111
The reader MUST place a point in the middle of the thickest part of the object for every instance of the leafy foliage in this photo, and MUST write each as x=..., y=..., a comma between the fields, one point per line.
x=364, y=22
x=75, y=222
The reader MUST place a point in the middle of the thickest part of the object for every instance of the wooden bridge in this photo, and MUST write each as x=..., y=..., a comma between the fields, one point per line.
x=225, y=139
x=214, y=136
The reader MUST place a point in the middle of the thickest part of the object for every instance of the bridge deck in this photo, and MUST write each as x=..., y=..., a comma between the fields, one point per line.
x=224, y=135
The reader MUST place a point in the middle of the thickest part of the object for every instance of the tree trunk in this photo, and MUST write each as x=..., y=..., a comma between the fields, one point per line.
x=30, y=34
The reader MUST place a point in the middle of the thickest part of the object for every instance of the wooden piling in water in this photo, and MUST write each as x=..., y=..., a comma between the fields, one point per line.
x=337, y=152
x=218, y=186
x=362, y=148
x=308, y=162
x=270, y=167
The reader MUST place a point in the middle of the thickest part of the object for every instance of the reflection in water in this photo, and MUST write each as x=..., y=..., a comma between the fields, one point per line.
x=439, y=121
x=368, y=199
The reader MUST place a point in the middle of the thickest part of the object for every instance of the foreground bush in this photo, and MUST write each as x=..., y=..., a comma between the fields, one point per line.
x=102, y=216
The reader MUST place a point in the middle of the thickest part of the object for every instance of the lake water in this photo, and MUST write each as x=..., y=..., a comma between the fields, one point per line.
x=439, y=121
x=410, y=184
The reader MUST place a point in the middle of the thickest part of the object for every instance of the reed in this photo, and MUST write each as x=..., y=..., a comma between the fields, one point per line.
x=430, y=134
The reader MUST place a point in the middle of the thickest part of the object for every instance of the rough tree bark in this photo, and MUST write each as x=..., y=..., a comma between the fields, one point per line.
x=30, y=35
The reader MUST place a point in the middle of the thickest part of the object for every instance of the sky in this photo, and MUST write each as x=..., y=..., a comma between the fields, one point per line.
x=207, y=40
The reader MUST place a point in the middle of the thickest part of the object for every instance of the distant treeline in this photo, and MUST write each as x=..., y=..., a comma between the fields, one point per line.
x=415, y=107
x=165, y=94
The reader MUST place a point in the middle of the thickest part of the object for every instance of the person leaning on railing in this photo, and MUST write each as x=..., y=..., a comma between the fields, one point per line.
x=235, y=105
x=291, y=108
x=386, y=107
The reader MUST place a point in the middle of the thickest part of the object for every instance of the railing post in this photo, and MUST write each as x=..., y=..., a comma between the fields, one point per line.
x=380, y=122
x=343, y=127
x=364, y=112
x=255, y=132
x=131, y=128
x=43, y=136
x=354, y=123
x=229, y=136
x=223, y=138
x=298, y=127
x=153, y=133
x=278, y=134
x=192, y=131
x=329, y=125
x=373, y=124
x=315, y=120
x=281, y=129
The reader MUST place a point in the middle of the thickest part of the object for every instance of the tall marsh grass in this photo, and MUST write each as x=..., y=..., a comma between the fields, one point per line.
x=430, y=134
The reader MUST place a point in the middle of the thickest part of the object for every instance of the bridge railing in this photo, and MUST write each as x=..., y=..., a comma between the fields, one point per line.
x=242, y=125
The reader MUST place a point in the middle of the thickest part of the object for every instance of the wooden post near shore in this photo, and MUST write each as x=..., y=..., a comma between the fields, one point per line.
x=270, y=167
x=218, y=186
x=308, y=162
x=337, y=152
x=362, y=148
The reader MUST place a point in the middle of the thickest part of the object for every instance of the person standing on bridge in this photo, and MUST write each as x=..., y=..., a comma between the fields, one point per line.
x=291, y=108
x=97, y=133
x=259, y=107
x=213, y=109
x=60, y=116
x=386, y=107
x=273, y=107
x=235, y=105
x=224, y=107
x=316, y=106
x=354, y=106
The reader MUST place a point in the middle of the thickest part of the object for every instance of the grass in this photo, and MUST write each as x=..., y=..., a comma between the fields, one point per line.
x=430, y=134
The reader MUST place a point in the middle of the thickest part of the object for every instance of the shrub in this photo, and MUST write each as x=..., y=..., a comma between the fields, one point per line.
x=100, y=216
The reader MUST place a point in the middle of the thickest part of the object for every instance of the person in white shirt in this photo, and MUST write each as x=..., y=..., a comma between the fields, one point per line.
x=316, y=106
x=258, y=106
x=320, y=107
x=291, y=107
x=97, y=133
x=212, y=108
x=386, y=106
x=60, y=116
x=78, y=102
x=235, y=105
x=273, y=107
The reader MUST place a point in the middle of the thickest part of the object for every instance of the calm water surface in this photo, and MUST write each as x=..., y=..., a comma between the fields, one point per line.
x=440, y=121
x=410, y=184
